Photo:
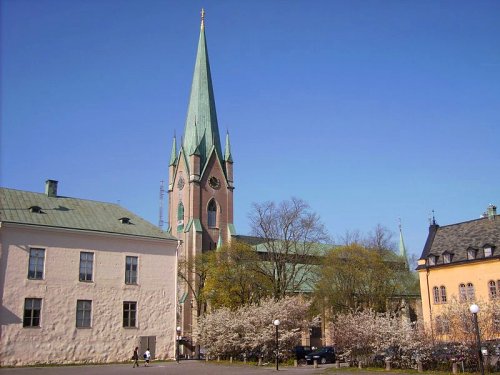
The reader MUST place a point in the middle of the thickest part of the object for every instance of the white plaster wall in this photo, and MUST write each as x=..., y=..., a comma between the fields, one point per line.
x=57, y=340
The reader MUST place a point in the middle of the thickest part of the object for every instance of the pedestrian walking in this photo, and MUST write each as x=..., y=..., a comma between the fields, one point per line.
x=135, y=357
x=147, y=357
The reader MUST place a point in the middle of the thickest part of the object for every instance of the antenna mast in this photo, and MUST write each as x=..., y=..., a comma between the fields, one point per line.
x=160, y=215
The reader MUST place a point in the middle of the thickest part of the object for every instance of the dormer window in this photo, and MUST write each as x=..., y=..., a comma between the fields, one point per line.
x=35, y=209
x=471, y=253
x=447, y=258
x=432, y=260
x=125, y=220
x=488, y=251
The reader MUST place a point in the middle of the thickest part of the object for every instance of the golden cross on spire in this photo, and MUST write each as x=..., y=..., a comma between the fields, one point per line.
x=202, y=18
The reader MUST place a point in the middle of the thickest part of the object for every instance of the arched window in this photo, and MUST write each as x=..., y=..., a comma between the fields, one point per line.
x=212, y=214
x=493, y=289
x=462, y=293
x=443, y=294
x=470, y=292
x=180, y=214
x=435, y=291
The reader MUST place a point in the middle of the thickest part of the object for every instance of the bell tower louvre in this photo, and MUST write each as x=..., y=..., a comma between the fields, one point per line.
x=200, y=188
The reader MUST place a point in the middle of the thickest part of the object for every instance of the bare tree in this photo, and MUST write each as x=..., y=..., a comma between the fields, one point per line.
x=380, y=239
x=193, y=272
x=293, y=238
x=350, y=237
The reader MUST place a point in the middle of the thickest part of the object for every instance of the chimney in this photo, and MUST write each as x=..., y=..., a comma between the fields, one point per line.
x=51, y=188
x=492, y=211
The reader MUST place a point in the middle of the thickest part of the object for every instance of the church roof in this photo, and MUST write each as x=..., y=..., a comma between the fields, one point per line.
x=41, y=210
x=201, y=132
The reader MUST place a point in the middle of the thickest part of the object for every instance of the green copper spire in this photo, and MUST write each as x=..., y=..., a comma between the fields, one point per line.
x=402, y=248
x=173, y=155
x=201, y=130
x=227, y=154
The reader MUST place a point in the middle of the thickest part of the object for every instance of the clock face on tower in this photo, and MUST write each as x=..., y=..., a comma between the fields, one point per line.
x=214, y=182
x=180, y=183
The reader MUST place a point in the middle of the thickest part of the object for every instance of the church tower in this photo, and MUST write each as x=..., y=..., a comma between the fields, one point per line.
x=200, y=189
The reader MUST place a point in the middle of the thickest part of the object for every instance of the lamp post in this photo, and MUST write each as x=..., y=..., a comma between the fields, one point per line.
x=474, y=309
x=177, y=357
x=276, y=324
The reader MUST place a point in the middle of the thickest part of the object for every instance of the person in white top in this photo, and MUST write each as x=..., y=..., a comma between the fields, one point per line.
x=147, y=357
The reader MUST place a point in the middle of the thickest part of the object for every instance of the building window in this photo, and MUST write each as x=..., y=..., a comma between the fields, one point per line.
x=492, y=286
x=462, y=293
x=447, y=258
x=443, y=294
x=212, y=214
x=83, y=313
x=466, y=323
x=496, y=321
x=442, y=325
x=129, y=314
x=131, y=270
x=86, y=266
x=180, y=214
x=435, y=291
x=32, y=312
x=471, y=254
x=431, y=260
x=35, y=268
x=470, y=292
x=488, y=252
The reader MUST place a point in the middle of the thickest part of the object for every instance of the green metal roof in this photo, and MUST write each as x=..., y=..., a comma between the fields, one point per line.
x=73, y=213
x=227, y=156
x=173, y=154
x=196, y=223
x=201, y=131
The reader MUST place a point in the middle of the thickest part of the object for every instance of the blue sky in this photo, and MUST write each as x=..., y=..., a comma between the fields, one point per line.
x=368, y=110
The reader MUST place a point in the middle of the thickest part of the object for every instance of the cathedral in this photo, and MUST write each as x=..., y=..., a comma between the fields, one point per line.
x=200, y=184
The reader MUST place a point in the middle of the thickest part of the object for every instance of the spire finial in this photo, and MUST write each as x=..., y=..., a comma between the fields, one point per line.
x=202, y=18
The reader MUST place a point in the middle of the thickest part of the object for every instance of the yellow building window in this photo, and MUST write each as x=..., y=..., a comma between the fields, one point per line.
x=492, y=286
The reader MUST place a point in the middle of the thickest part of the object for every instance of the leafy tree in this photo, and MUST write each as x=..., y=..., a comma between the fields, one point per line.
x=292, y=236
x=234, y=277
x=355, y=277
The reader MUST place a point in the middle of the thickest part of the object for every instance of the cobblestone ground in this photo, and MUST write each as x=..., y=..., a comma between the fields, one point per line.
x=172, y=368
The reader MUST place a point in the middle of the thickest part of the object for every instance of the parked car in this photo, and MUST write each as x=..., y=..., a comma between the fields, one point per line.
x=324, y=355
x=300, y=353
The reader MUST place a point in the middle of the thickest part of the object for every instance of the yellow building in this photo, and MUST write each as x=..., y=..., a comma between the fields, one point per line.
x=460, y=265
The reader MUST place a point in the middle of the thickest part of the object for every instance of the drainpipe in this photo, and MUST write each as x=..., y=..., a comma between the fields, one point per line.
x=429, y=300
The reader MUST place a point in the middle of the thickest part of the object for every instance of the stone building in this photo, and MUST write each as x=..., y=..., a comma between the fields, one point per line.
x=82, y=281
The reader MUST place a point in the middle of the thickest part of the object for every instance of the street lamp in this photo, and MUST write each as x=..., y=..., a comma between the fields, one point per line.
x=474, y=309
x=277, y=323
x=177, y=357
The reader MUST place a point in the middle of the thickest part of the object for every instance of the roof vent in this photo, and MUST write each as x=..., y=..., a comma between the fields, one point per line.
x=125, y=220
x=492, y=211
x=51, y=188
x=35, y=209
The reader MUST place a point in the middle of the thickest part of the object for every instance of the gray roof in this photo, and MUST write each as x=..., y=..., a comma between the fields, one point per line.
x=456, y=239
x=73, y=213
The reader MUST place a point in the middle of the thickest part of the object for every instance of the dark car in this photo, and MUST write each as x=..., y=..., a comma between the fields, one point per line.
x=300, y=353
x=324, y=355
